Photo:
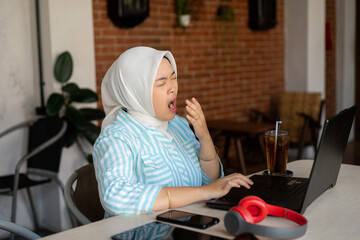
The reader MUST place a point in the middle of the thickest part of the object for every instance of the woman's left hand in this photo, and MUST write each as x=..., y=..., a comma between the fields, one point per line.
x=197, y=118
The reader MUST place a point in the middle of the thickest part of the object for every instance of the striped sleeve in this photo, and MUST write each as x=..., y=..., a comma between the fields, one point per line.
x=188, y=134
x=119, y=191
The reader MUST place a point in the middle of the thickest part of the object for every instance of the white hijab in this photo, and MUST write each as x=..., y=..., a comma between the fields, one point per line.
x=129, y=84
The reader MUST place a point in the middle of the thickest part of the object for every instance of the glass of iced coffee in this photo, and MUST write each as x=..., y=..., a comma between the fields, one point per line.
x=277, y=145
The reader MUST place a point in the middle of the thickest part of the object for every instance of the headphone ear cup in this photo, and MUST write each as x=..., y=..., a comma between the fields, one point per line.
x=256, y=207
x=235, y=223
x=243, y=213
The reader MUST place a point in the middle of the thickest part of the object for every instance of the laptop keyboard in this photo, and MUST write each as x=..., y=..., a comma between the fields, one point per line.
x=272, y=189
x=283, y=191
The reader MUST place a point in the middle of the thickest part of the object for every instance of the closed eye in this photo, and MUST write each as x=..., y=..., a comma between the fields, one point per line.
x=160, y=82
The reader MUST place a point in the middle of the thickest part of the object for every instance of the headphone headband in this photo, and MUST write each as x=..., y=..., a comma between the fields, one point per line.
x=291, y=215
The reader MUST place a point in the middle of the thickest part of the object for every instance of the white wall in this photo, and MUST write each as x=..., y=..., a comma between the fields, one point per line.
x=17, y=88
x=316, y=46
x=305, y=45
x=66, y=26
x=305, y=50
x=345, y=55
x=296, y=45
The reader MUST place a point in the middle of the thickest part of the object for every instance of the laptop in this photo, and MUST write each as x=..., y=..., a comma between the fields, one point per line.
x=298, y=193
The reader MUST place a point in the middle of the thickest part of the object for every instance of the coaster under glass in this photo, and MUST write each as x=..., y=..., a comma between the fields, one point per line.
x=287, y=174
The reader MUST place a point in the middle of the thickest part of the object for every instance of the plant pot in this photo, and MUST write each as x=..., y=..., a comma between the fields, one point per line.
x=185, y=20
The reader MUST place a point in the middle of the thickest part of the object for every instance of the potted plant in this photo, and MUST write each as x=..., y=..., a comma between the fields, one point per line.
x=183, y=12
x=80, y=121
x=226, y=15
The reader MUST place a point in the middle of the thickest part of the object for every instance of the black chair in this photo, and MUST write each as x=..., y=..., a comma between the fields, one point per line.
x=45, y=143
x=83, y=201
x=18, y=230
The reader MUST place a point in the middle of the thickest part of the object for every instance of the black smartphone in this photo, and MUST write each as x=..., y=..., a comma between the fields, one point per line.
x=187, y=219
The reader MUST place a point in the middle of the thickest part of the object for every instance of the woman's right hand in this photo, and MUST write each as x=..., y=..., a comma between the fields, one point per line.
x=222, y=186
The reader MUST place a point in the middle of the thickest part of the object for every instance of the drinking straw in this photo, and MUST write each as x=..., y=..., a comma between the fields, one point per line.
x=277, y=128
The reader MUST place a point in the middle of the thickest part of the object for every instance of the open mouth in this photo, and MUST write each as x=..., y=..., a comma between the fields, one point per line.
x=172, y=105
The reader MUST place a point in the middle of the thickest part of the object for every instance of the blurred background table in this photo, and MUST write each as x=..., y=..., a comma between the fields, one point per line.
x=249, y=135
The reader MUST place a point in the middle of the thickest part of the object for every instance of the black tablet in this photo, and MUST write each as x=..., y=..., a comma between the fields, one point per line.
x=157, y=230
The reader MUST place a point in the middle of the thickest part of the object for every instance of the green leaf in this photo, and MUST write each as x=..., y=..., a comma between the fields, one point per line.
x=183, y=7
x=54, y=104
x=91, y=133
x=70, y=88
x=226, y=13
x=84, y=95
x=76, y=118
x=70, y=135
x=63, y=67
x=92, y=113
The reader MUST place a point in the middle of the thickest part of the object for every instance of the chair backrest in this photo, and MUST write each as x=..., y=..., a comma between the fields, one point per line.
x=293, y=103
x=39, y=132
x=84, y=201
x=18, y=230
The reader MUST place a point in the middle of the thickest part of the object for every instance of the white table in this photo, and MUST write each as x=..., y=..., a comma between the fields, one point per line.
x=334, y=215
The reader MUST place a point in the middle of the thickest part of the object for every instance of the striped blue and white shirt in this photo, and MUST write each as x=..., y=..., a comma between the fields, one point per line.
x=133, y=162
x=153, y=231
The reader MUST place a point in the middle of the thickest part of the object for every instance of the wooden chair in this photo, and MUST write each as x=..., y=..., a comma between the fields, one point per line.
x=300, y=113
x=83, y=201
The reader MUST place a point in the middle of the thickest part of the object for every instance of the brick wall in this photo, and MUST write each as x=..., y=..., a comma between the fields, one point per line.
x=227, y=67
x=330, y=88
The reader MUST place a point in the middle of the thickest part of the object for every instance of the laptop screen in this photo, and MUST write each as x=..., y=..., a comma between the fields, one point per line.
x=329, y=154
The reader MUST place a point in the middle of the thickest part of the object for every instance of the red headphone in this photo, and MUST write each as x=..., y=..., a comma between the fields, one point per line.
x=252, y=209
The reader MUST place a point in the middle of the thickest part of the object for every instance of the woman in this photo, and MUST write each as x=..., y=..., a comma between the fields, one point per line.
x=146, y=157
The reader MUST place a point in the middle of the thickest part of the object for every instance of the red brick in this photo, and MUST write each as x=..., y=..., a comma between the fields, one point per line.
x=218, y=63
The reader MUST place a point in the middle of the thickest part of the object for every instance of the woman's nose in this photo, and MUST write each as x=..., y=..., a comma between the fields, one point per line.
x=173, y=88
